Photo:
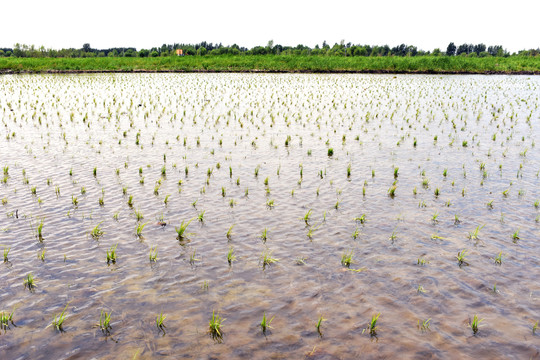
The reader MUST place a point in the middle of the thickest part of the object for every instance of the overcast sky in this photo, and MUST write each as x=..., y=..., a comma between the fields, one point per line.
x=143, y=24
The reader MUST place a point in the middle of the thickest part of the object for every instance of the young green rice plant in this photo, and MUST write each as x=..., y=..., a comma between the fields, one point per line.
x=346, y=259
x=355, y=234
x=166, y=200
x=204, y=285
x=474, y=234
x=116, y=215
x=231, y=257
x=535, y=327
x=319, y=324
x=437, y=192
x=139, y=228
x=270, y=203
x=393, y=236
x=6, y=253
x=83, y=190
x=214, y=326
x=153, y=256
x=422, y=261
x=330, y=151
x=307, y=216
x=41, y=255
x=200, y=217
x=349, y=170
x=232, y=202
x=181, y=230
x=159, y=321
x=336, y=205
x=229, y=232
x=104, y=322
x=193, y=257
x=265, y=323
x=111, y=254
x=300, y=260
x=33, y=190
x=456, y=219
x=130, y=201
x=39, y=229
x=490, y=204
x=445, y=172
x=396, y=172
x=361, y=219
x=461, y=257
x=59, y=319
x=425, y=182
x=392, y=191
x=264, y=235
x=96, y=232
x=537, y=204
x=94, y=172
x=372, y=325
x=505, y=192
x=138, y=214
x=475, y=324
x=257, y=171
x=498, y=259
x=223, y=191
x=421, y=289
x=424, y=325
x=29, y=282
x=5, y=319
x=515, y=236
x=267, y=259
x=434, y=217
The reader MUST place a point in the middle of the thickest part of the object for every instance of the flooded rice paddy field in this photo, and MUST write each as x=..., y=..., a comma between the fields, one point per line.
x=318, y=201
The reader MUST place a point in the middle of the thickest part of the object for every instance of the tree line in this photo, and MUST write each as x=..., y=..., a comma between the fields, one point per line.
x=205, y=48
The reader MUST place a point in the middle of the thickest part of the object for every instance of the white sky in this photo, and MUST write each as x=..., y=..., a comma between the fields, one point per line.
x=144, y=24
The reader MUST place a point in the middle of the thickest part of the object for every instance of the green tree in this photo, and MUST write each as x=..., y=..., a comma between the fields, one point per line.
x=451, y=49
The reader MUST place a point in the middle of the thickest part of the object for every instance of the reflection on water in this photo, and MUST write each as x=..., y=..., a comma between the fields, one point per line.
x=111, y=153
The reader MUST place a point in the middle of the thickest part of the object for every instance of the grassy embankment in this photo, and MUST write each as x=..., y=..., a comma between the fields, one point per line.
x=271, y=63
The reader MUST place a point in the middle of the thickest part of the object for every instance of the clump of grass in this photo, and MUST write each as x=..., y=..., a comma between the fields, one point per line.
x=361, y=219
x=330, y=151
x=153, y=254
x=159, y=321
x=319, y=324
x=229, y=232
x=498, y=258
x=181, y=230
x=111, y=254
x=200, y=217
x=29, y=282
x=139, y=228
x=424, y=326
x=515, y=235
x=231, y=257
x=214, y=326
x=392, y=191
x=96, y=232
x=346, y=259
x=264, y=235
x=5, y=319
x=372, y=325
x=307, y=216
x=59, y=319
x=461, y=257
x=104, y=321
x=6, y=253
x=39, y=229
x=474, y=234
x=475, y=324
x=267, y=259
x=265, y=323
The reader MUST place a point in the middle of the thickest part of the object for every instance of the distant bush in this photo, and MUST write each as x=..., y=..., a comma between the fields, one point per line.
x=154, y=54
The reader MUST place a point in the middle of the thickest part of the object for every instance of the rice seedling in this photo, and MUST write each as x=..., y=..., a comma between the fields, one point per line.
x=6, y=253
x=139, y=228
x=41, y=255
x=270, y=203
x=83, y=190
x=300, y=260
x=6, y=318
x=461, y=257
x=111, y=254
x=536, y=204
x=475, y=324
x=535, y=327
x=138, y=214
x=515, y=236
x=393, y=236
x=160, y=318
x=214, y=326
x=166, y=200
x=200, y=217
x=456, y=219
x=346, y=259
x=59, y=319
x=392, y=191
x=96, y=232
x=29, y=282
x=319, y=324
x=265, y=323
x=424, y=325
x=336, y=205
x=267, y=259
x=153, y=255
x=264, y=235
x=231, y=257
x=181, y=230
x=474, y=234
x=490, y=204
x=104, y=322
x=193, y=258
x=94, y=172
x=437, y=192
x=349, y=170
x=421, y=289
x=445, y=172
x=39, y=229
x=434, y=217
x=422, y=261
x=223, y=191
x=204, y=285
x=330, y=151
x=372, y=325
x=498, y=258
x=306, y=217
x=361, y=219
x=33, y=190
x=116, y=215
x=130, y=201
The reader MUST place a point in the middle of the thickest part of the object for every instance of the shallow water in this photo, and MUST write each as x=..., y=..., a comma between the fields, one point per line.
x=218, y=123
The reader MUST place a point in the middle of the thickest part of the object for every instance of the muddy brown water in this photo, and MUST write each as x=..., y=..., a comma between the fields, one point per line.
x=217, y=123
